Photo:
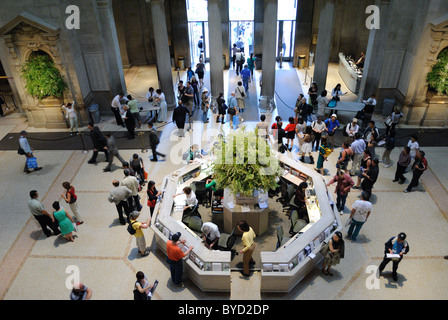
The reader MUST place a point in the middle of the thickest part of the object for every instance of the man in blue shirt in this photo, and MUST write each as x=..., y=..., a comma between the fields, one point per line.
x=245, y=76
x=332, y=125
x=26, y=150
x=395, y=245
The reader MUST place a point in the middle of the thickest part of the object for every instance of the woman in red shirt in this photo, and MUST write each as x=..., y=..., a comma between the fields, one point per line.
x=290, y=133
x=71, y=198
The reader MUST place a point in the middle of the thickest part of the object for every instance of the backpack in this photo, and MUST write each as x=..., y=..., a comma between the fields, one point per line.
x=231, y=111
x=139, y=295
x=200, y=44
x=131, y=230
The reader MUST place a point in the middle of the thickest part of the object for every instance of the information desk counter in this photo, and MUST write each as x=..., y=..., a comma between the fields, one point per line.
x=284, y=268
x=208, y=269
x=350, y=76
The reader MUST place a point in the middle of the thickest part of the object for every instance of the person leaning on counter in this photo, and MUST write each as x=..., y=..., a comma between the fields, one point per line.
x=249, y=246
x=300, y=200
x=192, y=201
x=174, y=258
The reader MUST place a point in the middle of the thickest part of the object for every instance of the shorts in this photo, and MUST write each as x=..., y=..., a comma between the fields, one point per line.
x=141, y=243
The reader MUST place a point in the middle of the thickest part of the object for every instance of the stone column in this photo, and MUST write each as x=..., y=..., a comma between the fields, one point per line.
x=303, y=36
x=179, y=22
x=269, y=50
x=163, y=56
x=215, y=48
x=323, y=49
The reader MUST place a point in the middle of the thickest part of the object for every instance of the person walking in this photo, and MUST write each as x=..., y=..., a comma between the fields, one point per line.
x=112, y=148
x=395, y=245
x=139, y=236
x=251, y=64
x=200, y=71
x=26, y=150
x=129, y=122
x=179, y=117
x=222, y=108
x=143, y=286
x=234, y=51
x=240, y=59
x=154, y=142
x=45, y=219
x=80, y=292
x=333, y=252
x=1, y=108
x=318, y=126
x=324, y=152
x=358, y=146
x=370, y=177
x=65, y=221
x=70, y=115
x=175, y=256
x=195, y=85
x=404, y=159
x=414, y=146
x=189, y=97
x=99, y=142
x=116, y=108
x=137, y=165
x=118, y=196
x=240, y=94
x=205, y=104
x=420, y=165
x=249, y=246
x=132, y=183
x=233, y=108
x=245, y=77
x=361, y=210
x=153, y=195
x=72, y=199
x=343, y=186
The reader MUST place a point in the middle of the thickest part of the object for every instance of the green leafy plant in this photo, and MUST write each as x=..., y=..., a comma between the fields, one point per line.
x=244, y=163
x=42, y=77
x=437, y=78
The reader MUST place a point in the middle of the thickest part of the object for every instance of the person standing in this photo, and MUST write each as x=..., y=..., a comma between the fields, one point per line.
x=45, y=219
x=249, y=246
x=195, y=85
x=234, y=51
x=233, y=108
x=80, y=292
x=344, y=157
x=343, y=186
x=210, y=235
x=361, y=210
x=300, y=131
x=366, y=162
x=333, y=252
x=240, y=59
x=352, y=128
x=318, y=126
x=222, y=108
x=419, y=166
x=395, y=117
x=290, y=131
x=153, y=195
x=322, y=103
x=143, y=286
x=404, y=159
x=99, y=142
x=113, y=151
x=370, y=177
x=414, y=146
x=180, y=116
x=133, y=108
x=263, y=127
x=205, y=104
x=25, y=149
x=154, y=142
x=136, y=163
x=70, y=114
x=358, y=146
x=368, y=110
x=119, y=195
x=371, y=135
x=132, y=183
x=240, y=94
x=190, y=74
x=139, y=236
x=388, y=147
x=337, y=93
x=324, y=152
x=189, y=97
x=312, y=92
x=65, y=221
x=72, y=199
x=129, y=121
x=331, y=125
x=395, y=245
x=251, y=64
x=298, y=107
x=245, y=77
x=150, y=95
x=175, y=256
x=116, y=107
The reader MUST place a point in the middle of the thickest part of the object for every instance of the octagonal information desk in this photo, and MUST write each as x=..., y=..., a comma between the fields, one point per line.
x=281, y=269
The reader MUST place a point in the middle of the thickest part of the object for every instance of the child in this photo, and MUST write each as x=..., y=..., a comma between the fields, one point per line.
x=324, y=152
x=290, y=133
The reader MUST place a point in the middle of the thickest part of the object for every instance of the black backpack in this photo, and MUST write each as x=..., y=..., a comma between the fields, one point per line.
x=139, y=295
x=131, y=230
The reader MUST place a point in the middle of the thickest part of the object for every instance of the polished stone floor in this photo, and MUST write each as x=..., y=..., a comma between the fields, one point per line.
x=35, y=267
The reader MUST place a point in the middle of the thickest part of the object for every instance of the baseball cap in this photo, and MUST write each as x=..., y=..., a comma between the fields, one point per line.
x=176, y=236
x=355, y=120
x=23, y=132
x=334, y=115
x=402, y=236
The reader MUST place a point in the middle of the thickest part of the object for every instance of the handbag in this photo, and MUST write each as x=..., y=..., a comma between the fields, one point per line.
x=332, y=103
x=152, y=203
x=21, y=151
x=236, y=120
x=241, y=93
x=139, y=295
x=31, y=163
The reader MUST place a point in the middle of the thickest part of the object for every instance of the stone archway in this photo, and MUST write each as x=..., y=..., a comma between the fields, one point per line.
x=22, y=36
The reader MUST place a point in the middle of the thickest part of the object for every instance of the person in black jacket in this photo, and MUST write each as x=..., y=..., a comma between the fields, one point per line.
x=180, y=116
x=154, y=141
x=370, y=177
x=395, y=245
x=99, y=142
x=129, y=121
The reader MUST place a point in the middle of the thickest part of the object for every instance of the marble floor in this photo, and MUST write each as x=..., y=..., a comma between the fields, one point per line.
x=34, y=267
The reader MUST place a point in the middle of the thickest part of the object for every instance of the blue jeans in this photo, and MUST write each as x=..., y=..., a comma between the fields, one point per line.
x=354, y=229
x=246, y=84
x=204, y=116
x=340, y=201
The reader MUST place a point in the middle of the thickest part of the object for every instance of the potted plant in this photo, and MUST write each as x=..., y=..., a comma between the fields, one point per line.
x=42, y=78
x=245, y=164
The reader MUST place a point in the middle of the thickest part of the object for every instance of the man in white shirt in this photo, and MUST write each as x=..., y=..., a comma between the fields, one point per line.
x=358, y=146
x=361, y=210
x=318, y=126
x=132, y=183
x=210, y=235
x=70, y=114
x=116, y=108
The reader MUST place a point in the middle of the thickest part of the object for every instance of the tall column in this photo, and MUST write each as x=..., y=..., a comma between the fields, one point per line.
x=215, y=48
x=304, y=26
x=179, y=23
x=162, y=50
x=323, y=49
x=269, y=50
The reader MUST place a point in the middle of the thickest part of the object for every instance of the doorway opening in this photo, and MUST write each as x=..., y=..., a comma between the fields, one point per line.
x=197, y=15
x=241, y=17
x=286, y=29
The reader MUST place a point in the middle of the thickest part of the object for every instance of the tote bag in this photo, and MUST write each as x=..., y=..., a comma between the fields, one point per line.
x=31, y=163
